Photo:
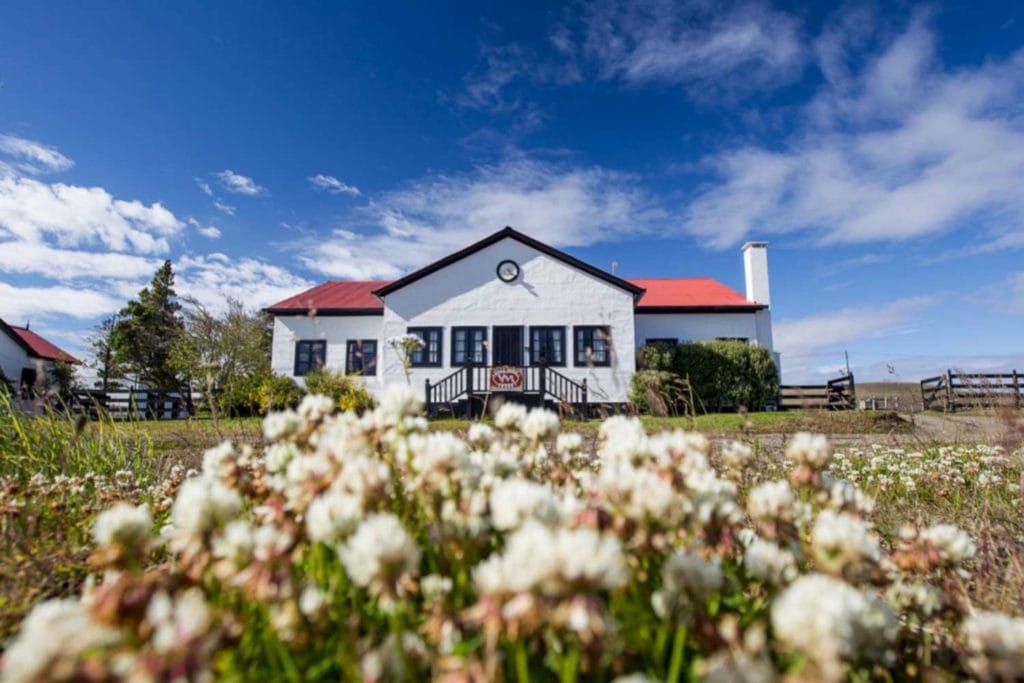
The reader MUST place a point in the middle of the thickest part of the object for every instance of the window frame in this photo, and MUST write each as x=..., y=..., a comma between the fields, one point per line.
x=580, y=358
x=547, y=329
x=359, y=344
x=470, y=330
x=421, y=332
x=312, y=344
x=735, y=340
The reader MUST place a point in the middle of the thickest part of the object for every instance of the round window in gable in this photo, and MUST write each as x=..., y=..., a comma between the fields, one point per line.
x=508, y=271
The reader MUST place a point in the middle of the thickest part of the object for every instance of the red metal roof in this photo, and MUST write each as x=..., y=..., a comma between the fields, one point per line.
x=352, y=296
x=39, y=347
x=688, y=292
x=355, y=297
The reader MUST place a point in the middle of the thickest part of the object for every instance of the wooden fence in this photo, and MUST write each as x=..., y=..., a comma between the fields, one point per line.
x=136, y=404
x=836, y=394
x=959, y=390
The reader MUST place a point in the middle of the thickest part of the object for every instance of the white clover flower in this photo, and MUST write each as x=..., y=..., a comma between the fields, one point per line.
x=380, y=554
x=480, y=435
x=842, y=495
x=688, y=580
x=125, y=525
x=623, y=439
x=995, y=643
x=769, y=563
x=280, y=425
x=312, y=600
x=235, y=543
x=315, y=407
x=332, y=516
x=51, y=638
x=437, y=452
x=840, y=540
x=203, y=505
x=830, y=621
x=917, y=597
x=736, y=455
x=219, y=460
x=510, y=416
x=635, y=678
x=641, y=493
x=568, y=444
x=277, y=456
x=810, y=450
x=513, y=501
x=540, y=423
x=771, y=501
x=398, y=402
x=179, y=622
x=952, y=543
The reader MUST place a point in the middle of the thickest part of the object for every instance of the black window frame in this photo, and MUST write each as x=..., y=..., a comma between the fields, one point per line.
x=359, y=345
x=311, y=344
x=546, y=330
x=580, y=346
x=467, y=361
x=424, y=352
x=735, y=340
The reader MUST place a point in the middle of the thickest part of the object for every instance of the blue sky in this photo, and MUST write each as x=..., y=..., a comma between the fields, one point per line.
x=267, y=147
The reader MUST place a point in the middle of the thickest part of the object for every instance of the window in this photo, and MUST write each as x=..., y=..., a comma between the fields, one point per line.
x=429, y=355
x=593, y=345
x=469, y=346
x=661, y=341
x=547, y=346
x=740, y=340
x=361, y=357
x=310, y=354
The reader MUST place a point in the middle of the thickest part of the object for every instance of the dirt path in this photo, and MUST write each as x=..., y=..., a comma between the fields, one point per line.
x=988, y=429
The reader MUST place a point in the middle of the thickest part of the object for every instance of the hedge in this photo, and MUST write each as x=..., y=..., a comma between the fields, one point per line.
x=724, y=375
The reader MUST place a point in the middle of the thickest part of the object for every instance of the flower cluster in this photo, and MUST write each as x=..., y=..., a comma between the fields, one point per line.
x=368, y=546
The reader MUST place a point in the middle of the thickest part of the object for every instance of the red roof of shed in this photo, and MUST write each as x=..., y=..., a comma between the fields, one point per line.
x=662, y=294
x=37, y=346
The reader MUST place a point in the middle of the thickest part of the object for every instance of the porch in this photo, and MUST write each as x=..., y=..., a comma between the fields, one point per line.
x=469, y=390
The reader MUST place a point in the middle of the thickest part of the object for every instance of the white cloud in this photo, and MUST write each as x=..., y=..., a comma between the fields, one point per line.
x=802, y=336
x=562, y=204
x=333, y=185
x=204, y=186
x=901, y=149
x=210, y=231
x=710, y=48
x=224, y=208
x=239, y=184
x=21, y=303
x=80, y=216
x=35, y=156
x=211, y=278
x=25, y=257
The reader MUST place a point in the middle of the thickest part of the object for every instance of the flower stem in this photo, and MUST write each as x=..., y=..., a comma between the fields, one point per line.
x=675, y=665
x=522, y=663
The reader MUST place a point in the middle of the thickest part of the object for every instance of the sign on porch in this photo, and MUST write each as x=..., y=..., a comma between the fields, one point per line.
x=505, y=378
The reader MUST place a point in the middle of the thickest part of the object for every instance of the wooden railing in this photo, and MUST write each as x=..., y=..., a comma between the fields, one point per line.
x=470, y=386
x=836, y=394
x=132, y=404
x=958, y=390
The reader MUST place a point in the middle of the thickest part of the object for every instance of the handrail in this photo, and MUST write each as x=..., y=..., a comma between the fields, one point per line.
x=447, y=390
x=564, y=389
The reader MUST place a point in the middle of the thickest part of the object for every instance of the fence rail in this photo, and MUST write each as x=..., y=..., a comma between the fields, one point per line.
x=836, y=394
x=132, y=404
x=954, y=391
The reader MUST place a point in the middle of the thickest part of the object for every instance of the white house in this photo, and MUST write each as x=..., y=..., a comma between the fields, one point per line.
x=512, y=315
x=25, y=356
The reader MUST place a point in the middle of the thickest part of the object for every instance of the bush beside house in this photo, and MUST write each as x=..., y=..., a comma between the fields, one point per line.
x=723, y=376
x=280, y=391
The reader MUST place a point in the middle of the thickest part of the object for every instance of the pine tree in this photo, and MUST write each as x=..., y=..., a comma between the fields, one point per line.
x=104, y=362
x=147, y=331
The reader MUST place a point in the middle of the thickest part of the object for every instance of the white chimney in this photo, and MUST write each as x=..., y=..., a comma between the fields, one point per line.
x=755, y=268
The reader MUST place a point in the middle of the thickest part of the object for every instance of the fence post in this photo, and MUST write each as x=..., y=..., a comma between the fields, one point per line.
x=469, y=391
x=949, y=391
x=1016, y=389
x=426, y=396
x=586, y=402
x=853, y=393
x=542, y=382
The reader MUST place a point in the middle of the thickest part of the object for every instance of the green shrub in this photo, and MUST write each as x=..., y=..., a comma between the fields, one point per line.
x=657, y=392
x=348, y=393
x=242, y=396
x=723, y=375
x=279, y=391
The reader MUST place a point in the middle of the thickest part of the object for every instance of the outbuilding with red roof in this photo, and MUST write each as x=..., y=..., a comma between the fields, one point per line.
x=25, y=355
x=511, y=315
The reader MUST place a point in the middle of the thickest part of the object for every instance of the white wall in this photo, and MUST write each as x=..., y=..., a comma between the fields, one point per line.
x=703, y=327
x=547, y=292
x=13, y=358
x=336, y=330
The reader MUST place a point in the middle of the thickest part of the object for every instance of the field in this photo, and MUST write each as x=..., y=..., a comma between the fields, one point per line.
x=398, y=550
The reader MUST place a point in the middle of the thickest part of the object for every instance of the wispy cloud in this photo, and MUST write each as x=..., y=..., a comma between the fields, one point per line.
x=331, y=184
x=566, y=204
x=34, y=157
x=204, y=186
x=226, y=209
x=206, y=230
x=20, y=303
x=895, y=150
x=211, y=278
x=239, y=184
x=37, y=258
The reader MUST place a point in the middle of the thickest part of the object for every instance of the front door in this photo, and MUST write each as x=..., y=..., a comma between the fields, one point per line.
x=508, y=346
